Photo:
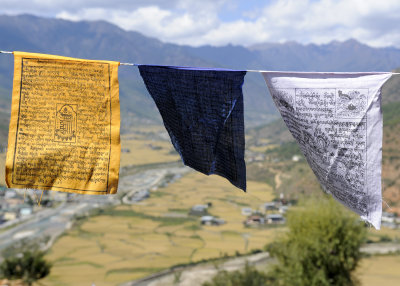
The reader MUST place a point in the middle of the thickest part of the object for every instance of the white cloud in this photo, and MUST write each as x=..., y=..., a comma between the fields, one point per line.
x=326, y=20
x=153, y=21
x=194, y=22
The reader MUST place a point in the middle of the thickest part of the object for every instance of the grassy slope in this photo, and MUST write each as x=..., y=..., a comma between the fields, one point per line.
x=391, y=155
x=5, y=104
x=391, y=89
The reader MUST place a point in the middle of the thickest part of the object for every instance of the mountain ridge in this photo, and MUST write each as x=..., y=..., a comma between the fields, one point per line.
x=32, y=33
x=105, y=41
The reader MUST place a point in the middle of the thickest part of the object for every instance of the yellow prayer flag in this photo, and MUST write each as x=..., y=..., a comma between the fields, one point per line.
x=64, y=127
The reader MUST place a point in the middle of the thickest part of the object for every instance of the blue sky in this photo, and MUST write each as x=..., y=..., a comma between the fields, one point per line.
x=238, y=22
x=235, y=10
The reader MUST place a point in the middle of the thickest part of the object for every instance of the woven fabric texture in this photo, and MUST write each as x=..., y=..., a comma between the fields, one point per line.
x=202, y=110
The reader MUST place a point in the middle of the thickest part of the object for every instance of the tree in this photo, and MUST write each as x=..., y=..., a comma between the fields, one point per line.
x=29, y=267
x=321, y=247
x=21, y=246
x=249, y=277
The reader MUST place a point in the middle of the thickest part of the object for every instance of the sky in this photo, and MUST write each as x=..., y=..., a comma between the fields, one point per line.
x=237, y=22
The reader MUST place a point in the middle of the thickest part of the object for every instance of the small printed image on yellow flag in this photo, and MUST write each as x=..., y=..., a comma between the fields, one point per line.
x=64, y=128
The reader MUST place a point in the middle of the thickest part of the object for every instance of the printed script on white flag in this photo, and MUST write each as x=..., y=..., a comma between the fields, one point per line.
x=336, y=119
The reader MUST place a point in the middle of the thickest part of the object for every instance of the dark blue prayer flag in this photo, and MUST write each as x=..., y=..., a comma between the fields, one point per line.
x=202, y=110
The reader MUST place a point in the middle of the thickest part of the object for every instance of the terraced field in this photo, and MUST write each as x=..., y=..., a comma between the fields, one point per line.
x=380, y=270
x=140, y=149
x=129, y=242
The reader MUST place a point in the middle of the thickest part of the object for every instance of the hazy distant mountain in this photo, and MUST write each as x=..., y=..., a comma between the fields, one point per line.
x=101, y=40
x=347, y=56
x=94, y=40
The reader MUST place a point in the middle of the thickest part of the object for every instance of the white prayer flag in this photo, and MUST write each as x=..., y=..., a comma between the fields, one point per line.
x=336, y=118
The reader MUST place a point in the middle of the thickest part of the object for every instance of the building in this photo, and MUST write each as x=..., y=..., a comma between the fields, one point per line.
x=199, y=210
x=10, y=194
x=10, y=215
x=25, y=210
x=275, y=219
x=388, y=217
x=296, y=158
x=254, y=220
x=247, y=211
x=269, y=206
x=210, y=220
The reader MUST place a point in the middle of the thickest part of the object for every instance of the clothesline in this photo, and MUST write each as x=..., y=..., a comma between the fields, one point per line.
x=135, y=64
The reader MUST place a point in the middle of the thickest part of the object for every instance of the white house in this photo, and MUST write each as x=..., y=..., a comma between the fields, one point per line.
x=247, y=211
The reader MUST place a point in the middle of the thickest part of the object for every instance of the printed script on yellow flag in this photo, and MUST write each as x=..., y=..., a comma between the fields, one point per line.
x=64, y=128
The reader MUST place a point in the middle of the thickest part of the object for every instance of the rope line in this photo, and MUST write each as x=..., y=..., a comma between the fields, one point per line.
x=259, y=71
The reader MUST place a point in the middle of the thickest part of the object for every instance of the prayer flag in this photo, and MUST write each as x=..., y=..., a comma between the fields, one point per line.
x=336, y=119
x=202, y=110
x=64, y=127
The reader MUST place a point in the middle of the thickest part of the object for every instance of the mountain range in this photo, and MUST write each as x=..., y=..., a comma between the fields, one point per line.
x=105, y=41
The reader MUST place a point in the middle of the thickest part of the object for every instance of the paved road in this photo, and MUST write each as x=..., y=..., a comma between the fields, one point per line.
x=147, y=180
x=31, y=228
x=53, y=222
x=47, y=223
x=380, y=248
x=197, y=275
